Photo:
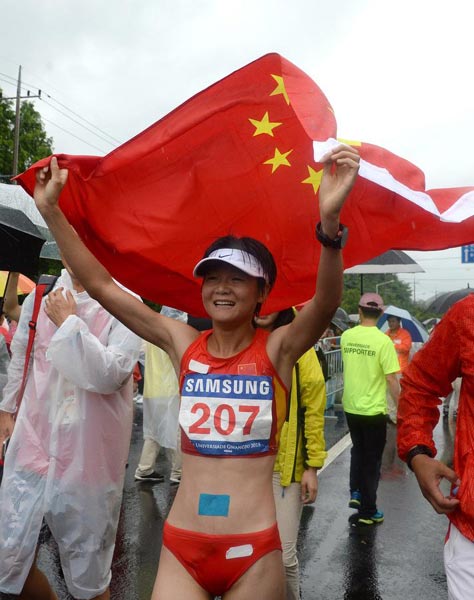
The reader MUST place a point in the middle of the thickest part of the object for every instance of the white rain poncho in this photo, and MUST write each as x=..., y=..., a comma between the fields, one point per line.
x=4, y=362
x=67, y=456
x=161, y=392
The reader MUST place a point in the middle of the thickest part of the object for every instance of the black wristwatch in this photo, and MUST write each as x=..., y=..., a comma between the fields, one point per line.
x=420, y=449
x=338, y=242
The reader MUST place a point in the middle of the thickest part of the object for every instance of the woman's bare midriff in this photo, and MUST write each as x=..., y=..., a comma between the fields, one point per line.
x=247, y=482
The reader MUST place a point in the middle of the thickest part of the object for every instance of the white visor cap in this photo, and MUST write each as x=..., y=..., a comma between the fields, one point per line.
x=237, y=258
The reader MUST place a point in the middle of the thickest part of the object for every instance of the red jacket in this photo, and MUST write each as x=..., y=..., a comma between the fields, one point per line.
x=402, y=343
x=448, y=354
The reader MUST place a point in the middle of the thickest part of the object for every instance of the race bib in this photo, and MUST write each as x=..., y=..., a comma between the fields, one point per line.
x=227, y=415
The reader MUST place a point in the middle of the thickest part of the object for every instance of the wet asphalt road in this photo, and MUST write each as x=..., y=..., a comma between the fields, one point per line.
x=400, y=559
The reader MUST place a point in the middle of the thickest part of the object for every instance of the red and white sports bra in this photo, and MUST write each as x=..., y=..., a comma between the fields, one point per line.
x=232, y=407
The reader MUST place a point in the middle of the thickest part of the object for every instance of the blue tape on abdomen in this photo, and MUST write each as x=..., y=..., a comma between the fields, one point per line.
x=213, y=505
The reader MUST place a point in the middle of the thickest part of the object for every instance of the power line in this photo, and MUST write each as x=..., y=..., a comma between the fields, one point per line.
x=75, y=136
x=77, y=122
x=104, y=133
x=441, y=279
x=14, y=83
x=83, y=119
x=438, y=258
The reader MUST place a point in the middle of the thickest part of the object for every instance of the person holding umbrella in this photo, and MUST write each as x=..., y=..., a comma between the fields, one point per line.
x=401, y=339
x=221, y=534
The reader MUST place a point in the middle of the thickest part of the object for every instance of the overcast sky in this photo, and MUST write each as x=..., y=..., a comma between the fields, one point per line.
x=398, y=74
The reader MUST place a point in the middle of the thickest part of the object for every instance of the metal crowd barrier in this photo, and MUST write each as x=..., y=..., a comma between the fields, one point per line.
x=335, y=384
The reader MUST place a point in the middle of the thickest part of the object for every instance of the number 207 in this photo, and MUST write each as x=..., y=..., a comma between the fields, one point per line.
x=223, y=410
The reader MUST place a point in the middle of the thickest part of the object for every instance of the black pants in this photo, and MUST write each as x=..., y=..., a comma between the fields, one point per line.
x=368, y=434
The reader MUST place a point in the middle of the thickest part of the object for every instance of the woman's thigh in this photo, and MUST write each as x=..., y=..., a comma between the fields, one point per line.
x=264, y=580
x=173, y=582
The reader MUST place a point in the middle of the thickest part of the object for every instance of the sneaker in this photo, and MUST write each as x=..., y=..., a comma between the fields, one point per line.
x=157, y=477
x=354, y=502
x=377, y=517
x=357, y=521
x=175, y=479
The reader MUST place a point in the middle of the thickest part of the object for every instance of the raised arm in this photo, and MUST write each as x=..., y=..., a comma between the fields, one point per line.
x=172, y=336
x=341, y=166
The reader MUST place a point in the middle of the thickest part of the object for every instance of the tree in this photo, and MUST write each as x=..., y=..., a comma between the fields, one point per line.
x=396, y=292
x=34, y=141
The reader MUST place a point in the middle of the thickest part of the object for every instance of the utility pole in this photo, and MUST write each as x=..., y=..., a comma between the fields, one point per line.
x=16, y=138
x=16, y=135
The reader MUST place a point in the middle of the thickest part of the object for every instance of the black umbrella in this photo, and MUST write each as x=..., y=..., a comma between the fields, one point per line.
x=20, y=242
x=444, y=301
x=392, y=261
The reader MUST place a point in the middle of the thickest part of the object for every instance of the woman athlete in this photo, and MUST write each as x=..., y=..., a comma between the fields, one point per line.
x=220, y=537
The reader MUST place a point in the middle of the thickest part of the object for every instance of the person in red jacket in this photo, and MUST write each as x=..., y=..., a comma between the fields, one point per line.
x=448, y=354
x=401, y=339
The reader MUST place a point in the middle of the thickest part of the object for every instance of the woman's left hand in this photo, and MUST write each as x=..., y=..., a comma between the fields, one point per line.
x=309, y=485
x=341, y=166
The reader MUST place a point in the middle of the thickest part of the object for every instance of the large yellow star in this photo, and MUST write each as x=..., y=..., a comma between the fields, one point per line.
x=280, y=88
x=264, y=126
x=314, y=178
x=278, y=160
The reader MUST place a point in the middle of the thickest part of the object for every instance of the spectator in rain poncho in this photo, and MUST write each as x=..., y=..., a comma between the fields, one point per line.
x=160, y=410
x=66, y=460
x=4, y=360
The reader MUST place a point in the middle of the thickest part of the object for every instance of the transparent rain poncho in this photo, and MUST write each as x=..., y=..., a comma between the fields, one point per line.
x=161, y=392
x=4, y=362
x=67, y=456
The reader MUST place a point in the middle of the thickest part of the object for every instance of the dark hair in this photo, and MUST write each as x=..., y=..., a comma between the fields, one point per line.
x=253, y=247
x=389, y=316
x=371, y=313
x=284, y=317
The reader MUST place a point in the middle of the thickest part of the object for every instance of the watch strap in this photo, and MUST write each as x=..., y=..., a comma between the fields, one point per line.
x=420, y=449
x=337, y=243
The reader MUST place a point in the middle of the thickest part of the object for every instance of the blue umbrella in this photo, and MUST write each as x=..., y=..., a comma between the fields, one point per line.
x=409, y=322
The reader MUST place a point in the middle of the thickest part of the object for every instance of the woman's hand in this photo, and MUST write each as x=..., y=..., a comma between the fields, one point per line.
x=50, y=181
x=309, y=485
x=341, y=166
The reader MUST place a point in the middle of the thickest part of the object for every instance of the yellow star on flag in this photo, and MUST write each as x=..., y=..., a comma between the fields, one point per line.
x=280, y=88
x=314, y=178
x=264, y=126
x=278, y=160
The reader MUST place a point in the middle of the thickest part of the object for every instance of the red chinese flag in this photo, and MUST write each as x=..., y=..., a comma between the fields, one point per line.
x=238, y=158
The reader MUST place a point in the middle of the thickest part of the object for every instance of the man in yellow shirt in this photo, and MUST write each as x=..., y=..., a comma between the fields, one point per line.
x=370, y=365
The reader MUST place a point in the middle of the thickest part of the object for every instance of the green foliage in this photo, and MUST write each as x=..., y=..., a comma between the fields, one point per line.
x=394, y=291
x=34, y=141
x=50, y=266
x=398, y=293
